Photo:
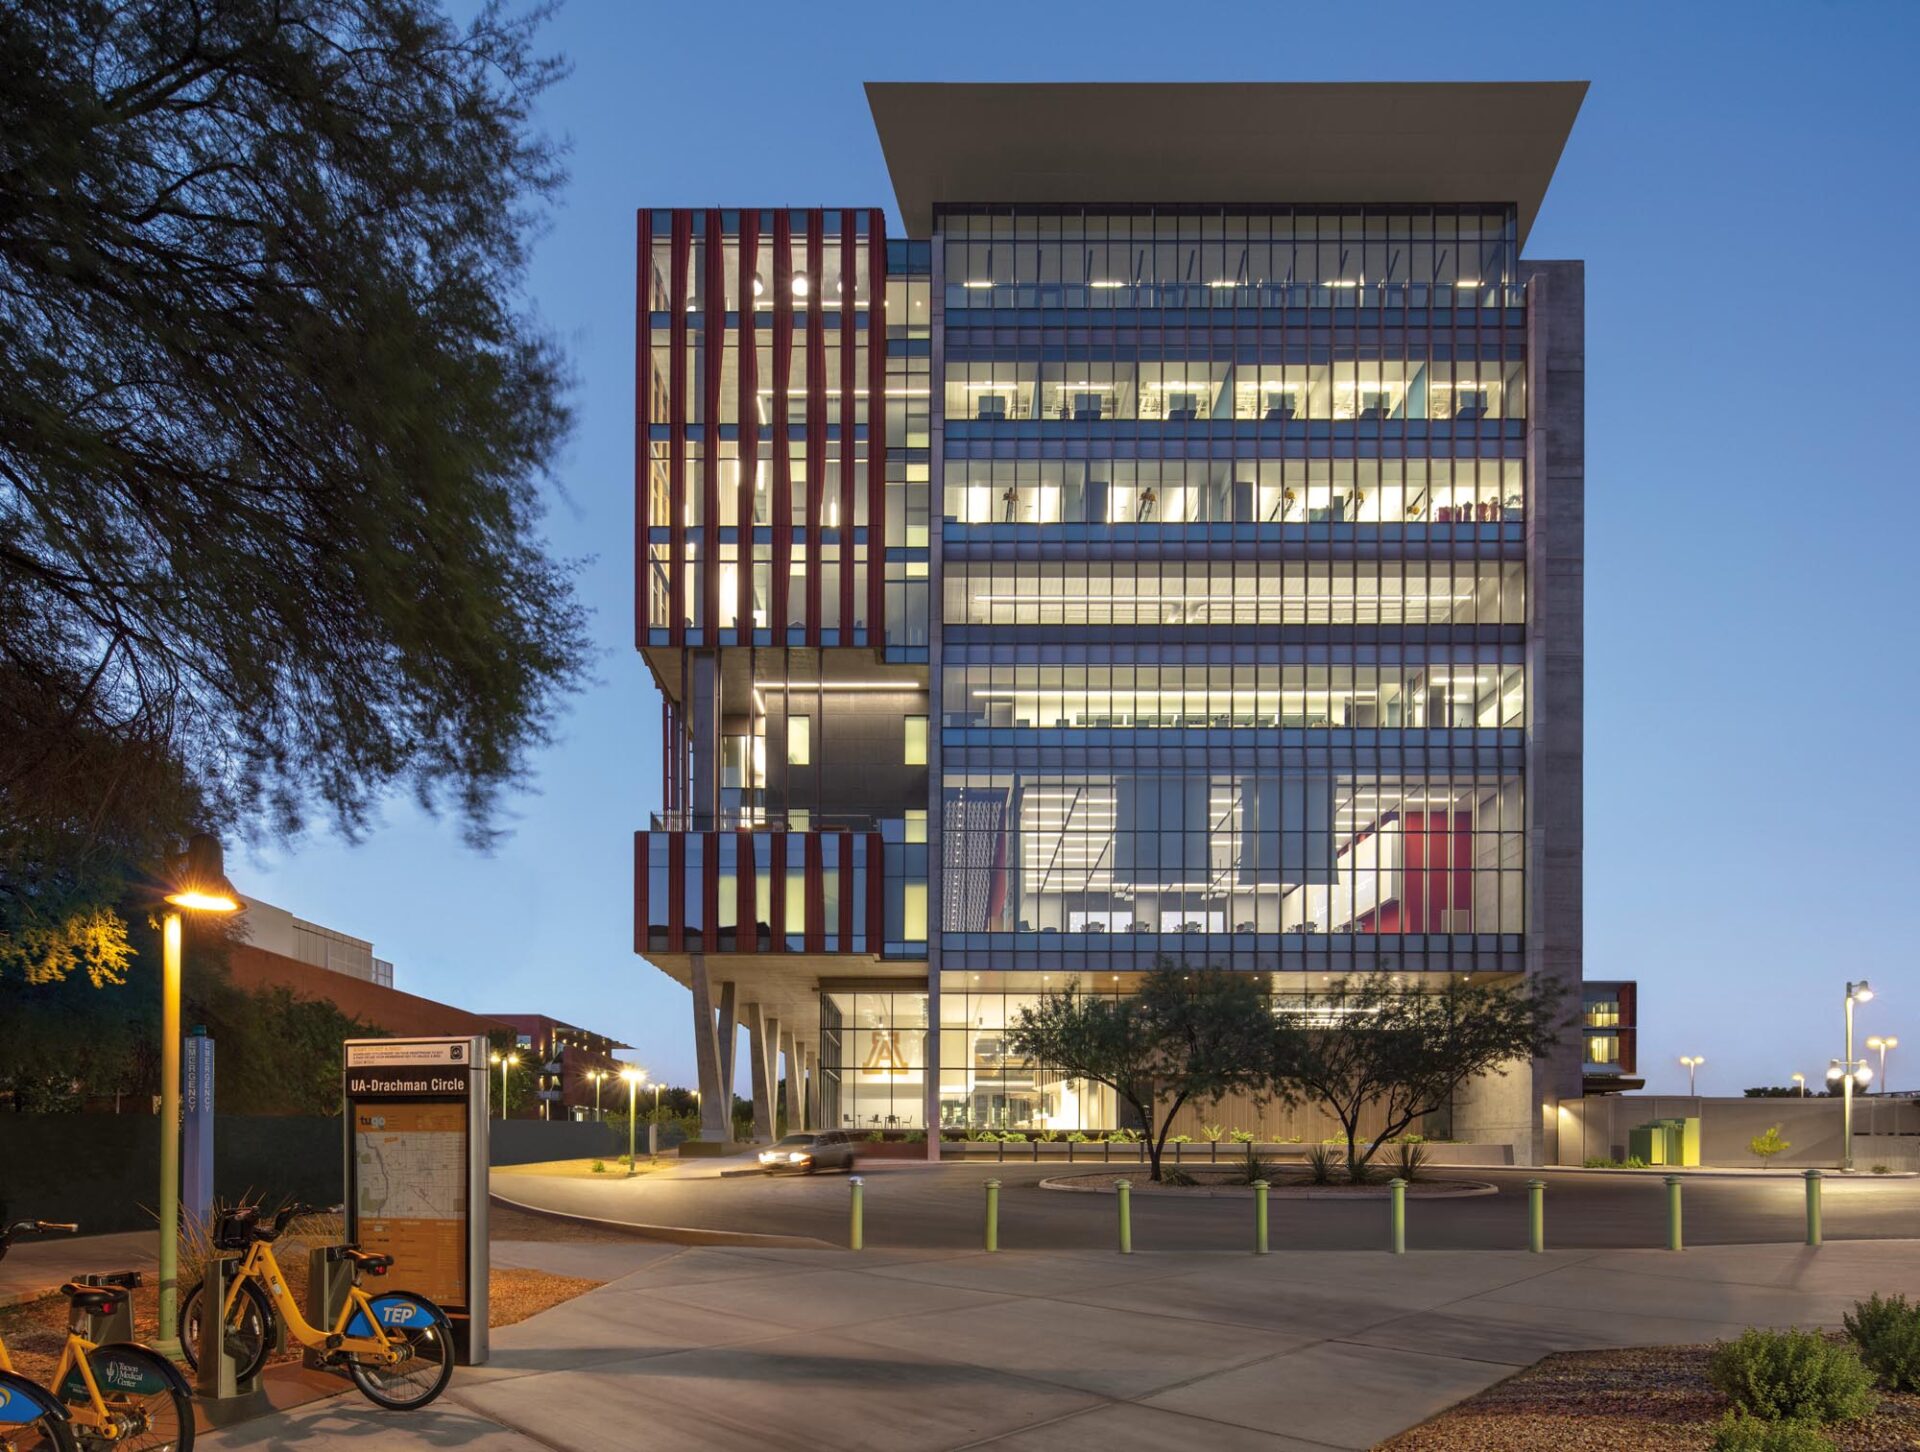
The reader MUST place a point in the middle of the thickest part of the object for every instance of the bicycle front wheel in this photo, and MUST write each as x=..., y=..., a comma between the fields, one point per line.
x=422, y=1374
x=249, y=1331
x=148, y=1404
x=30, y=1420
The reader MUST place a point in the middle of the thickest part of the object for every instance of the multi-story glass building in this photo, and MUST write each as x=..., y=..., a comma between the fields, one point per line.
x=1170, y=548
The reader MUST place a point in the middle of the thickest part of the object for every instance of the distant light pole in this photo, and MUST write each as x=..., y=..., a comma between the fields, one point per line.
x=633, y=1077
x=1883, y=1042
x=199, y=884
x=1849, y=1071
x=506, y=1062
x=1693, y=1063
x=1801, y=1080
x=597, y=1075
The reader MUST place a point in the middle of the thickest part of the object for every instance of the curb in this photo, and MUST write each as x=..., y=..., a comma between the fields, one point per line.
x=671, y=1234
x=1466, y=1189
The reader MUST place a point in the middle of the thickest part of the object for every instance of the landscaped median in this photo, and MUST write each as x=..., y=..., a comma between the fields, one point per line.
x=1226, y=1183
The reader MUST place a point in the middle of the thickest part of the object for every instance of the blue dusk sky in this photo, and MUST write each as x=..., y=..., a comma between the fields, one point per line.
x=1741, y=183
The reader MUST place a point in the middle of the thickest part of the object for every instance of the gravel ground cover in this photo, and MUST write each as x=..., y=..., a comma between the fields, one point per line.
x=35, y=1331
x=1653, y=1399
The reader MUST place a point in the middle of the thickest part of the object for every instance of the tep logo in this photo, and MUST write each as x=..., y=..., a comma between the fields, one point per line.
x=456, y=1051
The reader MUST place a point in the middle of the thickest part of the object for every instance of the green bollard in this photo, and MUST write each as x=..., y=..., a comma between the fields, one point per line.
x=857, y=1232
x=1259, y=1217
x=993, y=1215
x=1397, y=1192
x=1673, y=1212
x=1813, y=1207
x=1536, y=1216
x=1125, y=1191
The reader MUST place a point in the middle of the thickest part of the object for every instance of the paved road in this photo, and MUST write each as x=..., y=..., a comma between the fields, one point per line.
x=1035, y=1351
x=921, y=1208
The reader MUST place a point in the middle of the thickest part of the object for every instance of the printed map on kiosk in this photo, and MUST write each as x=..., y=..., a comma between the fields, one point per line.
x=410, y=1189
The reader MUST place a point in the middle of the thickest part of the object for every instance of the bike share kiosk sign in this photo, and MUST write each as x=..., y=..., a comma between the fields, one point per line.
x=416, y=1117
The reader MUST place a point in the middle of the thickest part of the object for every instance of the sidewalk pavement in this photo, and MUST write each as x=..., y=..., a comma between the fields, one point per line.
x=38, y=1264
x=762, y=1350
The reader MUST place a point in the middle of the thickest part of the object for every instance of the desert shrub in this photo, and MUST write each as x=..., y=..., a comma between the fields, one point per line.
x=1211, y=1133
x=1321, y=1163
x=1795, y=1376
x=1253, y=1168
x=1887, y=1331
x=1174, y=1175
x=1767, y=1145
x=1410, y=1163
x=1882, y=1170
x=1075, y=1136
x=1241, y=1136
x=1738, y=1432
x=599, y=1167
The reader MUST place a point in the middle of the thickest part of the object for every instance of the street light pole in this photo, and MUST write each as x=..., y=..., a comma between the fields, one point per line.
x=1844, y=1072
x=1692, y=1062
x=169, y=1130
x=200, y=885
x=1801, y=1080
x=633, y=1077
x=1883, y=1043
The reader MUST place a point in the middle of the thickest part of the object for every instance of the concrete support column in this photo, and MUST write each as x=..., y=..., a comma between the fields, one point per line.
x=796, y=1113
x=703, y=730
x=715, y=1115
x=813, y=1089
x=727, y=1037
x=759, y=1069
x=772, y=1032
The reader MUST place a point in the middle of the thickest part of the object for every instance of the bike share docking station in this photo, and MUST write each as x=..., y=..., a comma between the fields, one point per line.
x=223, y=1394
x=103, y=1328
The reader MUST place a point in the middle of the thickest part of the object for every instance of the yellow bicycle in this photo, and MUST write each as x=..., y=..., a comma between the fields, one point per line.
x=119, y=1395
x=397, y=1346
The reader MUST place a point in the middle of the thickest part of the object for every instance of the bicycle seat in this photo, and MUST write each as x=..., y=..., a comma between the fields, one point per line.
x=104, y=1299
x=369, y=1261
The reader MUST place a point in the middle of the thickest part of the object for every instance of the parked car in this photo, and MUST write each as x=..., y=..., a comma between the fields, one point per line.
x=830, y=1149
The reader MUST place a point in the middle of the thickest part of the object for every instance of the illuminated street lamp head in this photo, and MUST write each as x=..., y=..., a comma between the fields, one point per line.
x=631, y=1075
x=494, y=1057
x=1860, y=992
x=200, y=879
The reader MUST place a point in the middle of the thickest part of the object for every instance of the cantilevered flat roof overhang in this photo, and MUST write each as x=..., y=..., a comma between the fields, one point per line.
x=1221, y=142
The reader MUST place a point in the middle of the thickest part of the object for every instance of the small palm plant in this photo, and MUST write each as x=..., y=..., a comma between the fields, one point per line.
x=1321, y=1163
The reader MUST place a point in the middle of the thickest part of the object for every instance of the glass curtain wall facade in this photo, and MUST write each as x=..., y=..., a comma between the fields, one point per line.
x=1069, y=588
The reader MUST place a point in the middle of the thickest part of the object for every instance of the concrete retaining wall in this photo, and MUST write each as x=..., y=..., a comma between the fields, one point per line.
x=1886, y=1131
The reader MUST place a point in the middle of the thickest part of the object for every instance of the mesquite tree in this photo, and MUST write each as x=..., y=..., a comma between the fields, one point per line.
x=274, y=427
x=1370, y=1041
x=1185, y=1036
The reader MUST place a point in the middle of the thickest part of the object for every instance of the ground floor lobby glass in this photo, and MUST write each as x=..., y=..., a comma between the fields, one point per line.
x=874, y=1061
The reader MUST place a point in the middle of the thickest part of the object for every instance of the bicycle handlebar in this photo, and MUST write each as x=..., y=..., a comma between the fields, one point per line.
x=31, y=1227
